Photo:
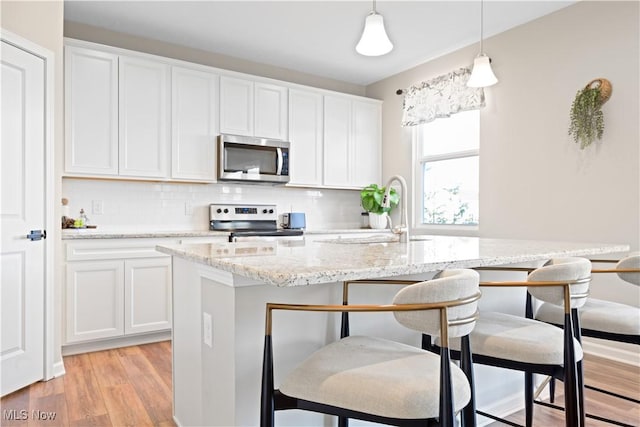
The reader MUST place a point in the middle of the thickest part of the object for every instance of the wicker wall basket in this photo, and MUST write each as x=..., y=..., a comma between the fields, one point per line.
x=605, y=88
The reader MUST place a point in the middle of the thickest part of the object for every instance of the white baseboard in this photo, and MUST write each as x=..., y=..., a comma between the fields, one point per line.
x=613, y=351
x=107, y=344
x=58, y=369
x=502, y=408
x=510, y=405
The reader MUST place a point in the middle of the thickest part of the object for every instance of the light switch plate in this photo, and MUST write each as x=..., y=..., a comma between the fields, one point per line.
x=97, y=207
x=207, y=329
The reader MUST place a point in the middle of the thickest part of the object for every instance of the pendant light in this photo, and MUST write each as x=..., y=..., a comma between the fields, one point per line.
x=374, y=40
x=482, y=74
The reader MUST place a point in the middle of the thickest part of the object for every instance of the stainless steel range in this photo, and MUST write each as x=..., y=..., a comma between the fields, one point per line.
x=247, y=221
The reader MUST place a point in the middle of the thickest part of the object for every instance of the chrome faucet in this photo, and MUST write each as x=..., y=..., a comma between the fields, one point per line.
x=403, y=228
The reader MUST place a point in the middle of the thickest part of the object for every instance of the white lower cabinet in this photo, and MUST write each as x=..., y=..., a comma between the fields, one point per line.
x=115, y=290
x=95, y=300
x=147, y=295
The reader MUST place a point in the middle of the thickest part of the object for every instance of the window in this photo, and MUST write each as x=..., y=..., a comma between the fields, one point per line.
x=447, y=170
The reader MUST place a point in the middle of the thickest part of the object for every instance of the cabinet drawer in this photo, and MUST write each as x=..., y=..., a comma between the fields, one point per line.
x=115, y=249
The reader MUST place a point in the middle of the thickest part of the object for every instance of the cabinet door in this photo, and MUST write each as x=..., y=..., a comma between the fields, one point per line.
x=194, y=122
x=143, y=118
x=365, y=157
x=305, y=134
x=95, y=300
x=337, y=130
x=91, y=112
x=270, y=111
x=147, y=301
x=236, y=106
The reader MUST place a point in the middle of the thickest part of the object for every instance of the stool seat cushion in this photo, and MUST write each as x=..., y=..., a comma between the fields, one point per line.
x=509, y=337
x=597, y=315
x=375, y=376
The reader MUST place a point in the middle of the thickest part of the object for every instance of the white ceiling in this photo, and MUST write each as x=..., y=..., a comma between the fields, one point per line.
x=315, y=37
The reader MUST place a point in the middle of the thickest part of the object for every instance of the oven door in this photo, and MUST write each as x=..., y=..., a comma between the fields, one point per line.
x=253, y=159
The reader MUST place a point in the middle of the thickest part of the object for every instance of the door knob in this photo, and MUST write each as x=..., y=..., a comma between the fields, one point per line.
x=37, y=235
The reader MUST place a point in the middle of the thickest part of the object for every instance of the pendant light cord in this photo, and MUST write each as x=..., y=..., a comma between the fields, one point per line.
x=481, y=25
x=374, y=6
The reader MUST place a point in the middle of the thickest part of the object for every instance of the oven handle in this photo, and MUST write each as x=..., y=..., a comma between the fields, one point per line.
x=280, y=161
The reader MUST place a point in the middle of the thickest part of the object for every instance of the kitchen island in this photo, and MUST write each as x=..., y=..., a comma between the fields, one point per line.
x=220, y=292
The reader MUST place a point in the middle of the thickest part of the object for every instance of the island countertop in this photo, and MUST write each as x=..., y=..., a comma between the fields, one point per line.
x=323, y=260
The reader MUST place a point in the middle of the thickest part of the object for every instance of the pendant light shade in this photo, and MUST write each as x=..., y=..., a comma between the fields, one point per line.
x=482, y=75
x=374, y=40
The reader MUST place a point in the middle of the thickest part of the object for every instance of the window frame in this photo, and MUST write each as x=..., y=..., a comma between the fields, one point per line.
x=418, y=188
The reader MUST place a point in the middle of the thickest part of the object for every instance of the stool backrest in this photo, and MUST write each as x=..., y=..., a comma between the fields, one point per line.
x=632, y=261
x=448, y=285
x=561, y=269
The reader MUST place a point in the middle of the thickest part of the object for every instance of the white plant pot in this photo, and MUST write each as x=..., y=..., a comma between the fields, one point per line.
x=378, y=221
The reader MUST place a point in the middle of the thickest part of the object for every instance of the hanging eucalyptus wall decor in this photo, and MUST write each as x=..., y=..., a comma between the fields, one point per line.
x=586, y=117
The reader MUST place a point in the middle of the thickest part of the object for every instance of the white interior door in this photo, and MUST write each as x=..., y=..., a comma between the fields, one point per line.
x=22, y=208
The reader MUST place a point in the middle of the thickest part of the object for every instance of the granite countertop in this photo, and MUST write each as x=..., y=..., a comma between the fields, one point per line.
x=320, y=260
x=115, y=233
x=95, y=233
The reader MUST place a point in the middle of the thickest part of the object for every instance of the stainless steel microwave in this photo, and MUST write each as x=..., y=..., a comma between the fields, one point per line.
x=248, y=159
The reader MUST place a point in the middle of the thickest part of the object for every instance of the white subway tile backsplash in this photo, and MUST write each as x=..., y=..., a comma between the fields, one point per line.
x=145, y=205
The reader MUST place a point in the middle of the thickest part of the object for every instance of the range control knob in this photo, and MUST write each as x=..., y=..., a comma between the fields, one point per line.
x=264, y=211
x=219, y=210
x=226, y=210
x=270, y=211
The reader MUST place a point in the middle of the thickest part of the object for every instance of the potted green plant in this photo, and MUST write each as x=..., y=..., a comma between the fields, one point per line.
x=371, y=199
x=586, y=120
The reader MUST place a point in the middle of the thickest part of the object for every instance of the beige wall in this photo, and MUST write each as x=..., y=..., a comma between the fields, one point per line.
x=99, y=35
x=41, y=22
x=534, y=181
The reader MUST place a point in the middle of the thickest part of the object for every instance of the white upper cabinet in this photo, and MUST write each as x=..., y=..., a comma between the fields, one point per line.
x=130, y=115
x=366, y=143
x=270, y=114
x=305, y=135
x=352, y=142
x=116, y=115
x=253, y=108
x=194, y=120
x=337, y=137
x=91, y=112
x=236, y=106
x=143, y=118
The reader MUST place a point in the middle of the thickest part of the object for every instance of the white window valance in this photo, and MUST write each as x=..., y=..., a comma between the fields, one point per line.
x=440, y=97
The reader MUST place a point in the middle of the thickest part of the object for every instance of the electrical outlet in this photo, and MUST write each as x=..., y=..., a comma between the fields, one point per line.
x=207, y=329
x=188, y=208
x=97, y=208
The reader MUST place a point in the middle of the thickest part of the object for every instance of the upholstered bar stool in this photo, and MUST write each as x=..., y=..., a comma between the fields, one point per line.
x=604, y=319
x=534, y=347
x=378, y=380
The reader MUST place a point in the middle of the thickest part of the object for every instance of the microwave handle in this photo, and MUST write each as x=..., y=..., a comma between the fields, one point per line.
x=280, y=161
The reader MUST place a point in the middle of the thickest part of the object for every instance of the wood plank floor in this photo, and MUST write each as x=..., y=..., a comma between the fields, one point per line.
x=132, y=387
x=604, y=373
x=128, y=386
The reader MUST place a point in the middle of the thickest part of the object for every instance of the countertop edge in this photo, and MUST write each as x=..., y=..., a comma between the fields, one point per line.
x=337, y=275
x=81, y=234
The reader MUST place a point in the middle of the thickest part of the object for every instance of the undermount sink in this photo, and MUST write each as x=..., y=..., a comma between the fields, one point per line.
x=372, y=239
